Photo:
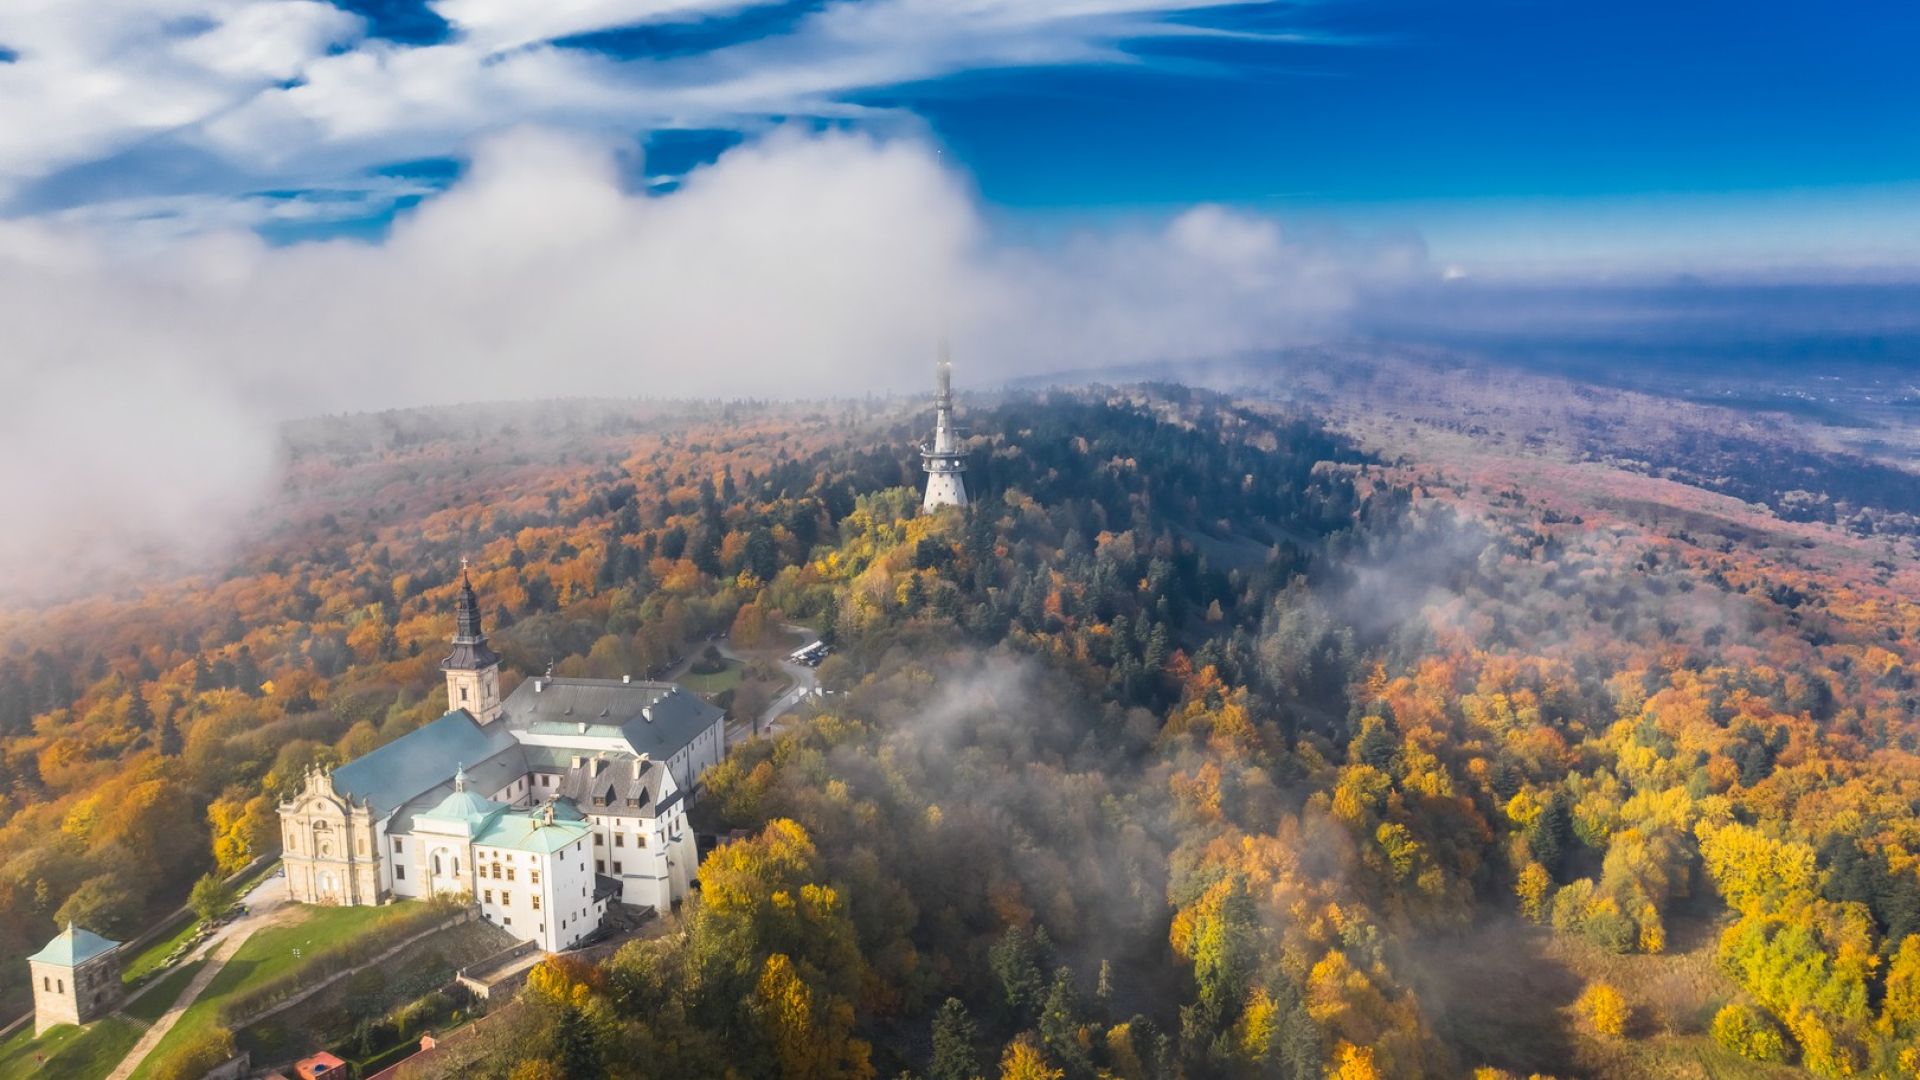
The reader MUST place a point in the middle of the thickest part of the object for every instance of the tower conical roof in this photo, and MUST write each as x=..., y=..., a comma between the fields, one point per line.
x=470, y=651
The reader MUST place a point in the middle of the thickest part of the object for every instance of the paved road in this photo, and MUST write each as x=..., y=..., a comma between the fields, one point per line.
x=804, y=684
x=267, y=905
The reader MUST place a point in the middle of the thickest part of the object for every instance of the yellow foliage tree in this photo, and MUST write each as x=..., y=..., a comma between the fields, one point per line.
x=1605, y=1009
x=1900, y=1011
x=1533, y=888
x=1023, y=1061
x=1352, y=1062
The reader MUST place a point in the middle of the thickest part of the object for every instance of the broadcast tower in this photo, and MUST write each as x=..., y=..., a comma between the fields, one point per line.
x=943, y=460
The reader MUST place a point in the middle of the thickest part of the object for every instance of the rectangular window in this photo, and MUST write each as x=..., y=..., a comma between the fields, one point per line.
x=616, y=866
x=599, y=841
x=496, y=871
x=533, y=876
x=509, y=873
x=506, y=899
x=640, y=839
x=463, y=693
x=399, y=873
x=508, y=920
x=619, y=839
x=487, y=896
x=536, y=901
x=599, y=866
x=399, y=845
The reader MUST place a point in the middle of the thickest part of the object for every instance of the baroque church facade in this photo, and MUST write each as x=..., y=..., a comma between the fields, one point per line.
x=545, y=807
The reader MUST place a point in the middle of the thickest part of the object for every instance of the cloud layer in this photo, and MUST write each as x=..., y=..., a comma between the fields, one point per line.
x=145, y=388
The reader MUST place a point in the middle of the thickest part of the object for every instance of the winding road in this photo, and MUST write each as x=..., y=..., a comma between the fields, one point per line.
x=805, y=682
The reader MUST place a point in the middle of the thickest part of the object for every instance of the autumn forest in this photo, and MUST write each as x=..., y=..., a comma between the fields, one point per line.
x=1221, y=736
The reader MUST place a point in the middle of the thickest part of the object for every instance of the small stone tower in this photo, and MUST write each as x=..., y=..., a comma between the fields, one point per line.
x=76, y=979
x=473, y=669
x=943, y=458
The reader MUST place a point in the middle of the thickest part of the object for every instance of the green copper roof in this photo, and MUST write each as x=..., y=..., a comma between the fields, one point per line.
x=528, y=830
x=464, y=807
x=74, y=946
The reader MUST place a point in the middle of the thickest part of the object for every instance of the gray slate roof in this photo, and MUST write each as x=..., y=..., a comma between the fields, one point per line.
x=653, y=718
x=616, y=783
x=420, y=760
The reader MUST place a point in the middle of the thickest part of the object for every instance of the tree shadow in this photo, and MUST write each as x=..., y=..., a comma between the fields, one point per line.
x=1495, y=996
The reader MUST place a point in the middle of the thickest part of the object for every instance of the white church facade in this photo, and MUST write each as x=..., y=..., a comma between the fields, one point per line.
x=545, y=807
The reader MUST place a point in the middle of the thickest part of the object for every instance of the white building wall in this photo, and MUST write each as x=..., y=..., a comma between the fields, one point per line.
x=402, y=861
x=701, y=753
x=538, y=896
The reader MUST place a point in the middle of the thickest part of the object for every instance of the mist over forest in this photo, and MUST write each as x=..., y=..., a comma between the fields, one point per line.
x=1222, y=735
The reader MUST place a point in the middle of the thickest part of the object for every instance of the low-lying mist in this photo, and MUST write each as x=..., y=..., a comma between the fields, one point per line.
x=147, y=379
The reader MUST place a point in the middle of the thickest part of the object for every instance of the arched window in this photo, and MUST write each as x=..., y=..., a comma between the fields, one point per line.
x=436, y=864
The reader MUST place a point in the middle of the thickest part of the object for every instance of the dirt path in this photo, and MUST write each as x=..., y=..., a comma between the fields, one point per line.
x=267, y=906
x=160, y=1027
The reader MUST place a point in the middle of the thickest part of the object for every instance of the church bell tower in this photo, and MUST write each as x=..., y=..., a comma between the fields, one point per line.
x=473, y=669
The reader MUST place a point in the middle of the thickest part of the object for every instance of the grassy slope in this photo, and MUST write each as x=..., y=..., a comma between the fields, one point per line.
x=182, y=928
x=91, y=1052
x=155, y=1002
x=265, y=955
x=71, y=1053
x=305, y=1029
x=156, y=954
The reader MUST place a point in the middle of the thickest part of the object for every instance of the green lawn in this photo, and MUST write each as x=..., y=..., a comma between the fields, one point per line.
x=716, y=682
x=154, y=1003
x=71, y=1053
x=265, y=955
x=181, y=929
x=156, y=954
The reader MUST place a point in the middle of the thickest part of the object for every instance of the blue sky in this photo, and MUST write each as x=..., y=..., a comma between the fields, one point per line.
x=1504, y=133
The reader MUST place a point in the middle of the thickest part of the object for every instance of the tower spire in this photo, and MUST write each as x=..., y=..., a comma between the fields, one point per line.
x=472, y=668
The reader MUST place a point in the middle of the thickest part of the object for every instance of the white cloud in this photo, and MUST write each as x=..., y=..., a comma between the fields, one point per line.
x=817, y=264
x=294, y=91
x=93, y=78
x=504, y=24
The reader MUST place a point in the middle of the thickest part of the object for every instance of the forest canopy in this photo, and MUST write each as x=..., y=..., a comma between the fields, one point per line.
x=1180, y=752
